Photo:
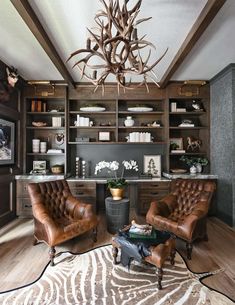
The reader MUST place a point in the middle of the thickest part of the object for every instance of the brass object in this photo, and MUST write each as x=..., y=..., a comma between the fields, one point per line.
x=116, y=45
x=191, y=88
x=117, y=194
x=57, y=169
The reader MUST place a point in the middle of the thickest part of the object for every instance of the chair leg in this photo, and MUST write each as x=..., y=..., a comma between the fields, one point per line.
x=52, y=255
x=35, y=241
x=94, y=234
x=189, y=248
x=172, y=256
x=159, y=278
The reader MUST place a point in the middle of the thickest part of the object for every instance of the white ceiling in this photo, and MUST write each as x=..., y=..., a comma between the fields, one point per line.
x=65, y=22
x=20, y=49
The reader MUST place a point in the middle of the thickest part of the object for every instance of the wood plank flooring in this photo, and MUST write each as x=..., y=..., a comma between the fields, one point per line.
x=21, y=262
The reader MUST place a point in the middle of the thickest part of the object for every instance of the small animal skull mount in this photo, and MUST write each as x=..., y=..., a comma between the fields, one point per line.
x=59, y=138
x=7, y=84
x=193, y=144
x=12, y=76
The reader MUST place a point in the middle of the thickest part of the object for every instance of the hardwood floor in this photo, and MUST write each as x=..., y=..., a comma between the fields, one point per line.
x=21, y=262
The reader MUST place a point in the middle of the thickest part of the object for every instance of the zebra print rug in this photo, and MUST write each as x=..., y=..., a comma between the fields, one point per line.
x=91, y=278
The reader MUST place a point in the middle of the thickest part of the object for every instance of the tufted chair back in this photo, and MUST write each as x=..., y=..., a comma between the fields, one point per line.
x=189, y=193
x=54, y=196
x=183, y=212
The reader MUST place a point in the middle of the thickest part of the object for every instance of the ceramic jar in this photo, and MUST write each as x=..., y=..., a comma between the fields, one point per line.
x=193, y=169
x=129, y=122
x=199, y=168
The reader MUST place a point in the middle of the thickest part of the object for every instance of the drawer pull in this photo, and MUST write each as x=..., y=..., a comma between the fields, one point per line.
x=27, y=206
x=79, y=193
x=157, y=185
x=25, y=188
x=154, y=193
x=79, y=185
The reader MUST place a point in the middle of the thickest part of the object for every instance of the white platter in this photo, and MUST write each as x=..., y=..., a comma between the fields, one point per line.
x=95, y=109
x=140, y=109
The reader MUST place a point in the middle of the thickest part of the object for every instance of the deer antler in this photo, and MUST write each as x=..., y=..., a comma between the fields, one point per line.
x=116, y=45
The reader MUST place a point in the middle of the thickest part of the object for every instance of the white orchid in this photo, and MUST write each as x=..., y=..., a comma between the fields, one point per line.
x=113, y=166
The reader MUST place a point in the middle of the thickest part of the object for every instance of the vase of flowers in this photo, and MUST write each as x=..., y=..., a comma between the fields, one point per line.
x=117, y=183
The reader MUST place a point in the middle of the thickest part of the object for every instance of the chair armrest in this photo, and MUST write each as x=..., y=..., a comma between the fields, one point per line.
x=160, y=208
x=78, y=209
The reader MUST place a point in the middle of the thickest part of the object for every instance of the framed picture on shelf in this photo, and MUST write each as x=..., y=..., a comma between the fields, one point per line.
x=7, y=142
x=176, y=145
x=152, y=165
x=104, y=136
x=39, y=165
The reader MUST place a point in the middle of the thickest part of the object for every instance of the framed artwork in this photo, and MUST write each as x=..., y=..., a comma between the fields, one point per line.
x=7, y=142
x=152, y=165
x=176, y=143
x=39, y=165
x=104, y=136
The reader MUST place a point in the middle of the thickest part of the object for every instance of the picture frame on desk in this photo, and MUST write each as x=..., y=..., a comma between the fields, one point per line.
x=7, y=142
x=104, y=136
x=152, y=165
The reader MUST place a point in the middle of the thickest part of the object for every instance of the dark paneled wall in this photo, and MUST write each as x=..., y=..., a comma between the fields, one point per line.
x=10, y=110
x=223, y=141
x=96, y=153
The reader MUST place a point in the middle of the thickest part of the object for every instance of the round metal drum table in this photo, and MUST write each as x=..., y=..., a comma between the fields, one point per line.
x=117, y=214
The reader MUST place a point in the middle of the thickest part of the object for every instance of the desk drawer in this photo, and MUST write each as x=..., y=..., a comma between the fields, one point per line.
x=24, y=207
x=81, y=185
x=22, y=189
x=164, y=185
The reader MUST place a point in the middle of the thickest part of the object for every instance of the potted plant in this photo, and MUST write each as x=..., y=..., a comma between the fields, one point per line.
x=116, y=184
x=195, y=163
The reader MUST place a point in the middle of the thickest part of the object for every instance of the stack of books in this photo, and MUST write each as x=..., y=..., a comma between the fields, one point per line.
x=141, y=231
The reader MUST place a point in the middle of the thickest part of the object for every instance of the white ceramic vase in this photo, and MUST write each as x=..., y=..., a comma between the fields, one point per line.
x=129, y=122
x=199, y=168
x=193, y=169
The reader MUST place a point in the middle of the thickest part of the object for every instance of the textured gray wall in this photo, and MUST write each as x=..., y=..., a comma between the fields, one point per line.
x=223, y=141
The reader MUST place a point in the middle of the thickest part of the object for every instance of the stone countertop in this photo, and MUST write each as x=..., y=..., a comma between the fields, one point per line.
x=39, y=177
x=74, y=179
x=104, y=180
x=189, y=176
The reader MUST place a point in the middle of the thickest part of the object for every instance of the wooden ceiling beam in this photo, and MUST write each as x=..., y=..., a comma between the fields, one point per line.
x=30, y=18
x=204, y=19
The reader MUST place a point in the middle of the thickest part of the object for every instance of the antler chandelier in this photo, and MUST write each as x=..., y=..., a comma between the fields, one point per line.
x=114, y=42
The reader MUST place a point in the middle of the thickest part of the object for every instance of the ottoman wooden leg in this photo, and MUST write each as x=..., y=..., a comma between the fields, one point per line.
x=172, y=256
x=159, y=278
x=115, y=254
x=189, y=247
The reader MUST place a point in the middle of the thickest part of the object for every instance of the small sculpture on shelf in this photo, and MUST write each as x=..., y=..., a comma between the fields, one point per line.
x=186, y=123
x=193, y=144
x=197, y=106
x=59, y=138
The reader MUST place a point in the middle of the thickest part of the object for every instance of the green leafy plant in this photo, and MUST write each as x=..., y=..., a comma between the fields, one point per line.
x=194, y=160
x=174, y=146
x=116, y=183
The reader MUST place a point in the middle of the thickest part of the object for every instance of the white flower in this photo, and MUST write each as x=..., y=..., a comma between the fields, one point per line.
x=101, y=165
x=114, y=165
x=130, y=165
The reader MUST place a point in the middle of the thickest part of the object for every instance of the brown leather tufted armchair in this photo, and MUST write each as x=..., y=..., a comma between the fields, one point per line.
x=58, y=216
x=183, y=212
